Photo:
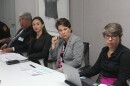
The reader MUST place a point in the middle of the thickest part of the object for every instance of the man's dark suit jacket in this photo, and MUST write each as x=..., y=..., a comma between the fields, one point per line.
x=20, y=43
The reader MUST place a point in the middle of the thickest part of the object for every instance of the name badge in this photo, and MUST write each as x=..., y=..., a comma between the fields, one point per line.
x=20, y=39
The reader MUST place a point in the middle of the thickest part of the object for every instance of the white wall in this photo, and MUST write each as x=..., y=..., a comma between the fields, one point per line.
x=63, y=11
x=77, y=17
x=37, y=8
x=88, y=18
x=7, y=14
x=25, y=6
x=96, y=14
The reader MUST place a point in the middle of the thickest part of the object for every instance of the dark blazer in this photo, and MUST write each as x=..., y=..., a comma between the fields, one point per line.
x=39, y=48
x=20, y=43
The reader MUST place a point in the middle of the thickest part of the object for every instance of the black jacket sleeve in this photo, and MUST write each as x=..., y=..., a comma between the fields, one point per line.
x=45, y=49
x=94, y=70
x=124, y=71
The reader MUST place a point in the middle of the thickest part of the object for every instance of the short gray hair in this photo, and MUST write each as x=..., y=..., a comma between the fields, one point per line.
x=113, y=28
x=27, y=15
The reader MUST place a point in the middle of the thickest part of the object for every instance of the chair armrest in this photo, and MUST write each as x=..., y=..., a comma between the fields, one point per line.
x=84, y=68
x=52, y=60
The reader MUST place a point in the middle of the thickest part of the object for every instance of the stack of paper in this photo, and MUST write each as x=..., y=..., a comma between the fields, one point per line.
x=11, y=56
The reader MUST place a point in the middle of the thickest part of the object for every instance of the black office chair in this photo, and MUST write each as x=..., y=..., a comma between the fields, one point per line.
x=86, y=61
x=51, y=63
x=86, y=57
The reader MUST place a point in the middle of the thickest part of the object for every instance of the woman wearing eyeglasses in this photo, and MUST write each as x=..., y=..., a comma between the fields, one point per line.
x=114, y=59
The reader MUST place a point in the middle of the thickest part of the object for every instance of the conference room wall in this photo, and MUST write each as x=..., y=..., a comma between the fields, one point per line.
x=88, y=18
x=25, y=6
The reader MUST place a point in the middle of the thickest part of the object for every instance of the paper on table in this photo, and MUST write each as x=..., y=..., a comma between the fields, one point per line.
x=39, y=71
x=25, y=67
x=46, y=70
x=11, y=56
x=36, y=70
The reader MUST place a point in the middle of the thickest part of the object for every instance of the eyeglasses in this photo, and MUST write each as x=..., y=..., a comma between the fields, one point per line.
x=110, y=36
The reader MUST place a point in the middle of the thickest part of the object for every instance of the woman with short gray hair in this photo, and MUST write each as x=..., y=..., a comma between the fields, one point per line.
x=114, y=60
x=114, y=28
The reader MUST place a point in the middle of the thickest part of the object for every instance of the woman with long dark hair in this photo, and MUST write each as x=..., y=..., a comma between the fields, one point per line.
x=40, y=42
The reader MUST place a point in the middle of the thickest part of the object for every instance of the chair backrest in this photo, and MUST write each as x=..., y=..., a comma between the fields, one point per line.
x=86, y=53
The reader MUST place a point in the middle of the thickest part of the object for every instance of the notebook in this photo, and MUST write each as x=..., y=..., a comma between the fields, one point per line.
x=73, y=78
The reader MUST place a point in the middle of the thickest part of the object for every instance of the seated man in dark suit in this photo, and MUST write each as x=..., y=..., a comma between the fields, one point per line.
x=4, y=34
x=22, y=37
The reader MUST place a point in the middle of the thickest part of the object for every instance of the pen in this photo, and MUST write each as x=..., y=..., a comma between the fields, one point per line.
x=32, y=66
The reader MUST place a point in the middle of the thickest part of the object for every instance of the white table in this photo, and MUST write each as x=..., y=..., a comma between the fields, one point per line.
x=11, y=75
